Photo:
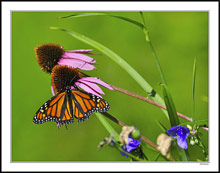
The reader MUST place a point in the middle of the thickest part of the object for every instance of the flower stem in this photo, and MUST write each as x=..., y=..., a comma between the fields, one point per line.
x=150, y=101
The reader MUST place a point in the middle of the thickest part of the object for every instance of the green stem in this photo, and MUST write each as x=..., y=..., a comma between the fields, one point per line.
x=153, y=51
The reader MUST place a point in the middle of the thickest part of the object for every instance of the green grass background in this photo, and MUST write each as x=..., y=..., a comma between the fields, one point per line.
x=178, y=37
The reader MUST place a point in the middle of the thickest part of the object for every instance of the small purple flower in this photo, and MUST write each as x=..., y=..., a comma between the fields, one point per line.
x=132, y=144
x=181, y=133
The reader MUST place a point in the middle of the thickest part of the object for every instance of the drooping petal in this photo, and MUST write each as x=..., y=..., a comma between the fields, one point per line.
x=124, y=149
x=81, y=51
x=52, y=89
x=133, y=144
x=78, y=56
x=173, y=131
x=87, y=89
x=92, y=85
x=182, y=142
x=186, y=131
x=76, y=64
x=98, y=81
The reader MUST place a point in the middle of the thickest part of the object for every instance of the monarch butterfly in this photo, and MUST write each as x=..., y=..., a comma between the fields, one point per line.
x=70, y=103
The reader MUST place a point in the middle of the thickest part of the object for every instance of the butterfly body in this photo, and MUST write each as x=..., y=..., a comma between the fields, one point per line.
x=68, y=104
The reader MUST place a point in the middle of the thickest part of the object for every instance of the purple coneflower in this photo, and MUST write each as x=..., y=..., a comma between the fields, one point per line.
x=63, y=76
x=50, y=54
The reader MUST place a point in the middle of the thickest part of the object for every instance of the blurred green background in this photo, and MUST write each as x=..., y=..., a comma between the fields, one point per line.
x=178, y=37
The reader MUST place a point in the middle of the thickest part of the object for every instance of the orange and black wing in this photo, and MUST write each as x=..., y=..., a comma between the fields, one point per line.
x=56, y=109
x=85, y=104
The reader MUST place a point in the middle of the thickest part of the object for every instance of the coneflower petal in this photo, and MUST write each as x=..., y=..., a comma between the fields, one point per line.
x=92, y=85
x=87, y=89
x=78, y=56
x=76, y=64
x=52, y=89
x=81, y=51
x=96, y=80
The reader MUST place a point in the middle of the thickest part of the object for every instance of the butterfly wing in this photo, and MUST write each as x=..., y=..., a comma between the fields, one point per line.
x=62, y=107
x=56, y=109
x=85, y=104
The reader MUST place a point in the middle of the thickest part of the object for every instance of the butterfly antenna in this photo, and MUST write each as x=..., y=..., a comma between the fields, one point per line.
x=72, y=79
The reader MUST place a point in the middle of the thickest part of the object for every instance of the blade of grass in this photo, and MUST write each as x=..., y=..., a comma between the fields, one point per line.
x=103, y=14
x=193, y=88
x=143, y=27
x=146, y=32
x=184, y=155
x=162, y=126
x=174, y=120
x=157, y=157
x=117, y=59
x=108, y=127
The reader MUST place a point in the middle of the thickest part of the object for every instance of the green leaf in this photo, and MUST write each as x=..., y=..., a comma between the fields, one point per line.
x=103, y=14
x=118, y=60
x=174, y=120
x=162, y=126
x=146, y=145
x=157, y=157
x=120, y=17
x=108, y=127
x=147, y=37
x=153, y=51
x=200, y=122
x=184, y=155
x=193, y=87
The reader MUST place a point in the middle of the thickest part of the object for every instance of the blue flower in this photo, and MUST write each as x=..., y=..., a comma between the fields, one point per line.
x=132, y=144
x=181, y=133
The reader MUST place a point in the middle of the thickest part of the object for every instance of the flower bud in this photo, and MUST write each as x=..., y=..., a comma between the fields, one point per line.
x=192, y=142
x=189, y=127
x=196, y=141
x=136, y=134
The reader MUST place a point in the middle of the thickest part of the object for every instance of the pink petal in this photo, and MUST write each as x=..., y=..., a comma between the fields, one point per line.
x=78, y=56
x=52, y=89
x=93, y=86
x=81, y=51
x=96, y=80
x=87, y=89
x=76, y=64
